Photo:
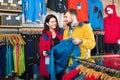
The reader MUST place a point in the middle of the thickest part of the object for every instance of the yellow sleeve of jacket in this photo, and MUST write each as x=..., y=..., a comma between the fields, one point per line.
x=85, y=33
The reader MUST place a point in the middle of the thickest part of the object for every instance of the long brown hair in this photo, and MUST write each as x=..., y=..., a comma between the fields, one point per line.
x=47, y=19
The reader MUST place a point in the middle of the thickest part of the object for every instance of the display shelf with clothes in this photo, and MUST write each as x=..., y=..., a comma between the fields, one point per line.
x=31, y=37
x=91, y=71
x=12, y=55
x=33, y=11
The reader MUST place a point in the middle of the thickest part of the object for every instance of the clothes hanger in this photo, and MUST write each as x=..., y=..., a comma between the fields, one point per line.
x=1, y=38
x=13, y=39
x=112, y=1
x=99, y=74
x=22, y=39
x=102, y=76
x=22, y=42
x=90, y=72
x=106, y=77
x=9, y=39
x=79, y=67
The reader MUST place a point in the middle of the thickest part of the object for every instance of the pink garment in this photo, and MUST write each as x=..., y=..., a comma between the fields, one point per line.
x=17, y=56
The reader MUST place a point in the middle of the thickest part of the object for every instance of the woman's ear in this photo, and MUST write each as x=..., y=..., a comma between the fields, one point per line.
x=47, y=23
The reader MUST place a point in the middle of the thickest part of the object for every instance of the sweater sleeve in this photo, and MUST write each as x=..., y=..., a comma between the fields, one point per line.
x=42, y=45
x=88, y=40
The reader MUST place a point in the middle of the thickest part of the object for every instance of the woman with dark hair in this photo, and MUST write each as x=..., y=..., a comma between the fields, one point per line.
x=51, y=35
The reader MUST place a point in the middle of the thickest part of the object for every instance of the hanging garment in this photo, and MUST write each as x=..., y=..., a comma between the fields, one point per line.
x=21, y=60
x=95, y=12
x=109, y=48
x=91, y=77
x=111, y=29
x=3, y=61
x=8, y=59
x=111, y=26
x=57, y=5
x=81, y=7
x=34, y=10
x=80, y=77
x=28, y=56
x=99, y=49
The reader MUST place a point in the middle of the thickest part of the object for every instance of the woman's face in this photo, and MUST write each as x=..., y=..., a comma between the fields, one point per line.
x=52, y=23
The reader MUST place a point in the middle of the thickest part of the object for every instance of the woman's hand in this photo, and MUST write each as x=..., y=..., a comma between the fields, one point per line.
x=44, y=53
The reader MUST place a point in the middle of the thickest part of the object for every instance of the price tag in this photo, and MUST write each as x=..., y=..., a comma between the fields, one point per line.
x=17, y=18
x=47, y=60
x=8, y=18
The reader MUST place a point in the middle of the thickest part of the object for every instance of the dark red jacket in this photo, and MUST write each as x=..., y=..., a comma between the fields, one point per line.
x=111, y=26
x=45, y=45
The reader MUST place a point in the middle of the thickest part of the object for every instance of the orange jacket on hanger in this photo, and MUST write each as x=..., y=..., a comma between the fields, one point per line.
x=82, y=8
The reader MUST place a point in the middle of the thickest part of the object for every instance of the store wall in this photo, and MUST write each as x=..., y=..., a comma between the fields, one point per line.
x=105, y=3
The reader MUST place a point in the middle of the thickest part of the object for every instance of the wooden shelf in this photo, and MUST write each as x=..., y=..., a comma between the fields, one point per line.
x=10, y=26
x=33, y=25
x=7, y=10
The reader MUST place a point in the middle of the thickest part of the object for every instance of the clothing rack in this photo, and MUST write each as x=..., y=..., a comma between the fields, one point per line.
x=23, y=30
x=97, y=67
x=14, y=39
x=109, y=56
x=30, y=30
x=98, y=32
x=9, y=31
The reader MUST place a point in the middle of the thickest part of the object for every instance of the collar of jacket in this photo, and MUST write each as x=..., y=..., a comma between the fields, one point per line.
x=79, y=24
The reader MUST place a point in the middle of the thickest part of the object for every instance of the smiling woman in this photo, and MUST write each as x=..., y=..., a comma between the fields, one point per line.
x=51, y=36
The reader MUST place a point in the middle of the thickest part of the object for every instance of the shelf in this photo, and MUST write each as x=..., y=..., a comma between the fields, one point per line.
x=7, y=10
x=33, y=25
x=10, y=26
